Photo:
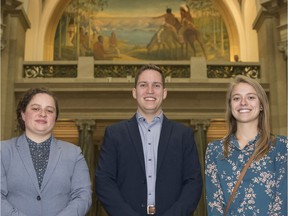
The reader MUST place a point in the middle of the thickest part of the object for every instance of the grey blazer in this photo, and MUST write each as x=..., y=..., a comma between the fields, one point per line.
x=66, y=187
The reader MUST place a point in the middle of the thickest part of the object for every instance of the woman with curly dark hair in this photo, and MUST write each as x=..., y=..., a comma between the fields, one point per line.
x=40, y=175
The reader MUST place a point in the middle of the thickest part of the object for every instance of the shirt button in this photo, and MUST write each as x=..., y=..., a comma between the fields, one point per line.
x=38, y=198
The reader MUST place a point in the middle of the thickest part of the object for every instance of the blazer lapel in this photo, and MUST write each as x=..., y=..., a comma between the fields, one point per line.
x=54, y=155
x=136, y=139
x=166, y=131
x=25, y=155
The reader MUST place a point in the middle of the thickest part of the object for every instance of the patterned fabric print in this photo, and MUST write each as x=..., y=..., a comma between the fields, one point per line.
x=263, y=190
x=40, y=155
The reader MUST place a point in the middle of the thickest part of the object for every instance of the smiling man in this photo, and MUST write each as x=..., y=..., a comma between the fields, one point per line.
x=149, y=165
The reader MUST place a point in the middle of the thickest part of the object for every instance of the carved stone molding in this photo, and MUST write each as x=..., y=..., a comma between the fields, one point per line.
x=282, y=47
x=85, y=124
x=278, y=9
x=3, y=41
x=13, y=8
x=197, y=123
x=6, y=5
x=273, y=6
x=9, y=4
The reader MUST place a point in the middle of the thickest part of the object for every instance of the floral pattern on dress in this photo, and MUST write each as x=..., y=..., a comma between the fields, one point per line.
x=263, y=190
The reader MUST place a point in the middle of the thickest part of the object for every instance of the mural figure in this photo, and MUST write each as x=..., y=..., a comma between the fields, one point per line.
x=170, y=23
x=166, y=38
x=188, y=32
x=71, y=33
x=98, y=48
x=174, y=33
x=186, y=21
x=83, y=41
x=113, y=45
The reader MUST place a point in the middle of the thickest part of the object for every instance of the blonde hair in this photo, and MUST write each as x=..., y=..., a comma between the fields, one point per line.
x=262, y=145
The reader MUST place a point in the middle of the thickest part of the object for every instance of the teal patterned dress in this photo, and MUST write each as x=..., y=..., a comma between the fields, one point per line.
x=263, y=190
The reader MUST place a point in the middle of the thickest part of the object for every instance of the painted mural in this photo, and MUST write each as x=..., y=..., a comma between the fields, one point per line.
x=141, y=30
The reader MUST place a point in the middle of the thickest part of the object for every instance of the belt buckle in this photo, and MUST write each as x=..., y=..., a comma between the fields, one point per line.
x=151, y=209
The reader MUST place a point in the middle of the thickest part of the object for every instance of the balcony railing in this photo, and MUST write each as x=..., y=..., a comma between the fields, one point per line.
x=104, y=69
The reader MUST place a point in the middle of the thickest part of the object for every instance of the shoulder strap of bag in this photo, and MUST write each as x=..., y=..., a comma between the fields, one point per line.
x=242, y=174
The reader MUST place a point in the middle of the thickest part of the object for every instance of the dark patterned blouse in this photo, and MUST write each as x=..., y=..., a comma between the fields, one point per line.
x=40, y=155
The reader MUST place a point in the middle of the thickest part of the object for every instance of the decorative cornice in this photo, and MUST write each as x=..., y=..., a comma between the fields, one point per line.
x=85, y=123
x=197, y=123
x=261, y=17
x=10, y=4
x=20, y=12
x=273, y=6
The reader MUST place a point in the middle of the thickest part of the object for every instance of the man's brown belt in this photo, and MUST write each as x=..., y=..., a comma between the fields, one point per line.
x=151, y=210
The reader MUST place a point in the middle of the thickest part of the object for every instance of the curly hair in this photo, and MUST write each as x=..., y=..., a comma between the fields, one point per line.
x=25, y=100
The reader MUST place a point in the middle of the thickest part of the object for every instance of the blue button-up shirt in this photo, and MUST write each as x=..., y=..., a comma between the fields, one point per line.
x=150, y=134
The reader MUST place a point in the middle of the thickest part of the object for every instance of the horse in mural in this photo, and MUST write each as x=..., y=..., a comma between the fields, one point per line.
x=167, y=43
x=191, y=35
x=164, y=42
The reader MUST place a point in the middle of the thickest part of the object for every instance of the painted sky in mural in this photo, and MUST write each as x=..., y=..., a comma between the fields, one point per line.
x=139, y=8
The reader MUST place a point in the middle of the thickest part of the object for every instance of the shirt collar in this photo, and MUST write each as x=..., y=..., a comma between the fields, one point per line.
x=156, y=118
x=48, y=141
x=250, y=143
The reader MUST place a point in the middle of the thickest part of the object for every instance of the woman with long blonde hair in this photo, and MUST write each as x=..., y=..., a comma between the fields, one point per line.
x=263, y=189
